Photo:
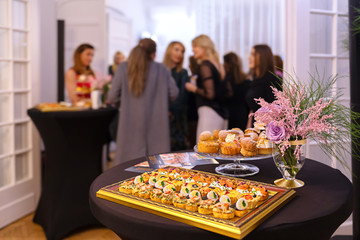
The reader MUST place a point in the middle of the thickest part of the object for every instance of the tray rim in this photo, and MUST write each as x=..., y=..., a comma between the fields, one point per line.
x=220, y=226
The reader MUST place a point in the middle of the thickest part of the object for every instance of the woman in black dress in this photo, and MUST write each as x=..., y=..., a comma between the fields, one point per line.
x=238, y=109
x=261, y=63
x=211, y=88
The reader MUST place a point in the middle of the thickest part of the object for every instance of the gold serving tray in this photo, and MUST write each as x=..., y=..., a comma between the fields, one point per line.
x=235, y=228
x=57, y=107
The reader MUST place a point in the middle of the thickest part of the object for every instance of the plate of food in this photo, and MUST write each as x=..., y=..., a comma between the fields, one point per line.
x=229, y=206
x=235, y=145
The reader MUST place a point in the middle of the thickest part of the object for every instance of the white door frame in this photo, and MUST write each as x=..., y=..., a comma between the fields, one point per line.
x=20, y=196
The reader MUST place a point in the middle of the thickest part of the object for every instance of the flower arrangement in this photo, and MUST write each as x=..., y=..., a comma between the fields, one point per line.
x=100, y=83
x=307, y=111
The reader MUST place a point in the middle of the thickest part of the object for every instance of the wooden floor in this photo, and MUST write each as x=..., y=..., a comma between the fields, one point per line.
x=25, y=229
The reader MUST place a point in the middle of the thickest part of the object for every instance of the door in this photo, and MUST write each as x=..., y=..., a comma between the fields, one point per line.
x=17, y=179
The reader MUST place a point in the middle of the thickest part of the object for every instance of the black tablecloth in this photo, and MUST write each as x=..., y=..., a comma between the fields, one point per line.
x=73, y=143
x=316, y=212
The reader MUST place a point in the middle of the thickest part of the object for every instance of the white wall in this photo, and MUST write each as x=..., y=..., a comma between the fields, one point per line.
x=135, y=11
x=84, y=26
x=47, y=51
x=173, y=23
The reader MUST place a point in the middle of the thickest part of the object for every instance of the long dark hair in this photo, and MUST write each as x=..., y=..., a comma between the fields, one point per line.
x=264, y=56
x=138, y=65
x=78, y=66
x=233, y=65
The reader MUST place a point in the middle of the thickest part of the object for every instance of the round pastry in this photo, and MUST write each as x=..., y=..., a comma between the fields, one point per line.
x=145, y=191
x=248, y=153
x=216, y=134
x=222, y=135
x=252, y=202
x=156, y=195
x=208, y=146
x=179, y=200
x=261, y=193
x=230, y=148
x=264, y=145
x=167, y=198
x=241, y=133
x=241, y=207
x=251, y=130
x=223, y=211
x=252, y=135
x=193, y=204
x=248, y=144
x=205, y=136
x=206, y=207
x=213, y=196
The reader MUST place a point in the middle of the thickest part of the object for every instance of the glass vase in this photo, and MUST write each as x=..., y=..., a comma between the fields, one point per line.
x=289, y=163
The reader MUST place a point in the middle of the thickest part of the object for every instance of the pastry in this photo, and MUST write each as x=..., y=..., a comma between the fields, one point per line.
x=248, y=147
x=241, y=133
x=251, y=130
x=264, y=145
x=222, y=135
x=223, y=211
x=252, y=135
x=241, y=207
x=179, y=200
x=193, y=204
x=210, y=146
x=156, y=195
x=145, y=191
x=205, y=136
x=167, y=197
x=127, y=187
x=251, y=199
x=206, y=207
x=216, y=134
x=230, y=148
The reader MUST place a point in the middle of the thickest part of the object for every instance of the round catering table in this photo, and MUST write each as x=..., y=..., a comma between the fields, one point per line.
x=316, y=212
x=73, y=144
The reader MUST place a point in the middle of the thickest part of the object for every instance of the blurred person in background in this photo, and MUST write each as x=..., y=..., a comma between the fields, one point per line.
x=77, y=78
x=173, y=60
x=119, y=57
x=192, y=115
x=261, y=63
x=278, y=64
x=142, y=89
x=238, y=109
x=211, y=89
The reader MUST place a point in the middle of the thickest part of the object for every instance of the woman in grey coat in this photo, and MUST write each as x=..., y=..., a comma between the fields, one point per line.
x=143, y=89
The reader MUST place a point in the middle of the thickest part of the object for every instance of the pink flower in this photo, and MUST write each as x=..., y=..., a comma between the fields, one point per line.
x=275, y=132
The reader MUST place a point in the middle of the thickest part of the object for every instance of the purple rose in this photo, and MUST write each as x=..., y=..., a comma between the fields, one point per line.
x=274, y=132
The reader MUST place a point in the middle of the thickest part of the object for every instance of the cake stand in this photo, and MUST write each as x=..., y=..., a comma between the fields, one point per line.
x=237, y=168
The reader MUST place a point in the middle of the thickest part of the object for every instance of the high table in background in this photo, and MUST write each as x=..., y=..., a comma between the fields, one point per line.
x=73, y=143
x=316, y=212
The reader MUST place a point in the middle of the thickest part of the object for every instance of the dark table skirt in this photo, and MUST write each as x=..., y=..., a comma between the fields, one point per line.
x=315, y=213
x=73, y=143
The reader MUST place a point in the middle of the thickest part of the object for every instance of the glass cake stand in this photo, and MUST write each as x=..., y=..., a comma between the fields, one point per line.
x=235, y=169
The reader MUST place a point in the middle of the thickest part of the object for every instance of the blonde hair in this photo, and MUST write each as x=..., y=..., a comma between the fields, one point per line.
x=78, y=65
x=138, y=65
x=114, y=65
x=205, y=42
x=167, y=57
